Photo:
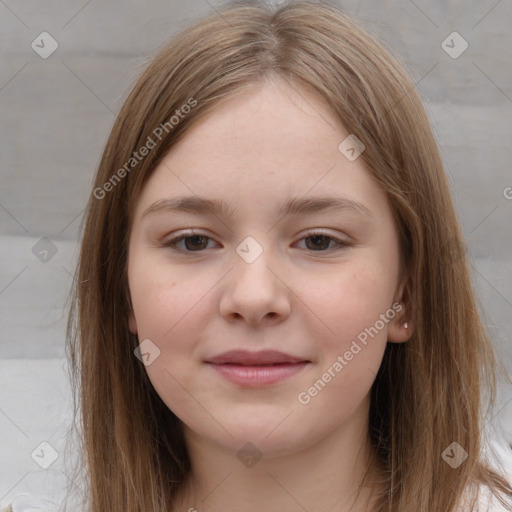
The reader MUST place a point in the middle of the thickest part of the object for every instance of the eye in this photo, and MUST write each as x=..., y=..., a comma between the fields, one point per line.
x=193, y=242
x=321, y=241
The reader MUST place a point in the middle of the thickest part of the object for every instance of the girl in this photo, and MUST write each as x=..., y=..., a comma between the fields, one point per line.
x=224, y=358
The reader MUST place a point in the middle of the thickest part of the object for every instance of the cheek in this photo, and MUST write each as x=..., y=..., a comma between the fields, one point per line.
x=350, y=351
x=164, y=299
x=172, y=309
x=353, y=300
x=169, y=312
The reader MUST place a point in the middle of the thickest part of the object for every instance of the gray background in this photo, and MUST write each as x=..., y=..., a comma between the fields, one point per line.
x=56, y=114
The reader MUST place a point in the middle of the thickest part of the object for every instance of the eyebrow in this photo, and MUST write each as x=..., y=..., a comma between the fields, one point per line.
x=293, y=206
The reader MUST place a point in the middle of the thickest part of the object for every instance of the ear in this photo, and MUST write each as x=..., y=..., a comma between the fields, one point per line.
x=397, y=331
x=132, y=323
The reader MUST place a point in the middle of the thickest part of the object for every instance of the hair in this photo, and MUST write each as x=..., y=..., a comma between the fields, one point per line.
x=428, y=392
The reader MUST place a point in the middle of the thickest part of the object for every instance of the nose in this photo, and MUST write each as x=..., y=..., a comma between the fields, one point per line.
x=256, y=292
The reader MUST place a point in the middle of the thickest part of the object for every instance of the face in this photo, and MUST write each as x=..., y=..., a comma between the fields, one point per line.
x=317, y=284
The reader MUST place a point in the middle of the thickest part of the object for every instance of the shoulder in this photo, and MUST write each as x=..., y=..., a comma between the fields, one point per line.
x=7, y=509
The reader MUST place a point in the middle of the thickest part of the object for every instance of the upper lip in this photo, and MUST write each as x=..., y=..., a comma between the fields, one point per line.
x=247, y=358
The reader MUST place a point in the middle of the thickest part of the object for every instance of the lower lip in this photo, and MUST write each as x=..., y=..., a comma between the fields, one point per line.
x=256, y=376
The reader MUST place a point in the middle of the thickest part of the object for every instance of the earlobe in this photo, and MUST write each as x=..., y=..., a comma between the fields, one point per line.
x=400, y=330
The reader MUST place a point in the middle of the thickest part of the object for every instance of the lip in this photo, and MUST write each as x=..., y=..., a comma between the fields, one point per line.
x=247, y=358
x=256, y=369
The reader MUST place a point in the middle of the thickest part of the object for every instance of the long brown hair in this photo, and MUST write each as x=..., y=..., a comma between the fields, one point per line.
x=428, y=392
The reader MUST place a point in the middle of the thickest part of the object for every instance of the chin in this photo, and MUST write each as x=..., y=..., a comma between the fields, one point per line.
x=273, y=438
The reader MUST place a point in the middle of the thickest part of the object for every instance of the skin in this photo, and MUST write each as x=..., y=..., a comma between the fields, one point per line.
x=256, y=151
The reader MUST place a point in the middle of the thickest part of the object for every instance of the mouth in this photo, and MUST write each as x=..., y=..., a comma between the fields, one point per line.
x=261, y=358
x=256, y=369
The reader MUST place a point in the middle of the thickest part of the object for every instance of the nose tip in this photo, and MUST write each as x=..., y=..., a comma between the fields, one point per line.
x=255, y=293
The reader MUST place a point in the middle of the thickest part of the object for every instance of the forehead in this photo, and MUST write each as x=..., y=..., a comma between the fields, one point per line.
x=263, y=147
x=274, y=116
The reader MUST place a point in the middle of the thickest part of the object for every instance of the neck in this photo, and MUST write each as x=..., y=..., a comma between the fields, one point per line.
x=323, y=476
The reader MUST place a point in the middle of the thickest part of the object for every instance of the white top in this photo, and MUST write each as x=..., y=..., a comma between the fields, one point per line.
x=487, y=503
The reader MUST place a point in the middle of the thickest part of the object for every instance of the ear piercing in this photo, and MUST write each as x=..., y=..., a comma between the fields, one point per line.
x=405, y=325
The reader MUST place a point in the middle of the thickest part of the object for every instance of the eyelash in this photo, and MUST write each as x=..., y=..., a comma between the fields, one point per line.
x=173, y=242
